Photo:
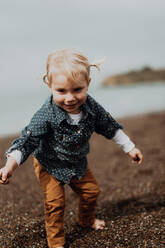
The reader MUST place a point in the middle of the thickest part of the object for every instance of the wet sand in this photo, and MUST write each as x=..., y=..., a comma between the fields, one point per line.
x=132, y=199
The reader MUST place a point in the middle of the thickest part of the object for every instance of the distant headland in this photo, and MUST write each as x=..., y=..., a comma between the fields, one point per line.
x=146, y=74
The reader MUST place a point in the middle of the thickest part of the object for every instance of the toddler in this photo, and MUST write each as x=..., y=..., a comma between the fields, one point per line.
x=58, y=136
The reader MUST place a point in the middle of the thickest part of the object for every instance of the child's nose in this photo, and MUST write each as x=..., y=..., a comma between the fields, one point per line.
x=70, y=97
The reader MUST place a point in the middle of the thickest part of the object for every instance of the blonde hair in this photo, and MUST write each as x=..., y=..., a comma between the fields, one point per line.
x=70, y=62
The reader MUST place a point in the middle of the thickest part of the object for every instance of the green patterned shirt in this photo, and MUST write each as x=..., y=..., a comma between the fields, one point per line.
x=59, y=146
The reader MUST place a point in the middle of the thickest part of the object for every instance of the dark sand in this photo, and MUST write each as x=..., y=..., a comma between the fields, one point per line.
x=132, y=200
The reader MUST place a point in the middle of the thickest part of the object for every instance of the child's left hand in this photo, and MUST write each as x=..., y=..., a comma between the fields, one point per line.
x=136, y=155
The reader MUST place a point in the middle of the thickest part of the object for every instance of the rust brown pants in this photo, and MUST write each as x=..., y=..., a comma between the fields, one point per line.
x=54, y=202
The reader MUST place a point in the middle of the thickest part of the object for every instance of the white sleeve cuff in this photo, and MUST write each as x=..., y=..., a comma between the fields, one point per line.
x=16, y=154
x=123, y=141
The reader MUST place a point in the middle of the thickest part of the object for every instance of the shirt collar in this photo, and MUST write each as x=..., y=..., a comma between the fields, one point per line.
x=61, y=115
x=86, y=109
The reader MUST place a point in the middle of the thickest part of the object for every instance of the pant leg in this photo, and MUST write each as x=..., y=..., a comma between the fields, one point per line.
x=88, y=190
x=54, y=203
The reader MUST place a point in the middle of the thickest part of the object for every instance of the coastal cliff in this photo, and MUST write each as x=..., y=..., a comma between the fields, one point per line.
x=146, y=74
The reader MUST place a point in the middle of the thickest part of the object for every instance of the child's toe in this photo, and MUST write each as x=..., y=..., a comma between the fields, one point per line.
x=98, y=224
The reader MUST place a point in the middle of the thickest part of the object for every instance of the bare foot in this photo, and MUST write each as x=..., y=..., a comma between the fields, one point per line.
x=98, y=224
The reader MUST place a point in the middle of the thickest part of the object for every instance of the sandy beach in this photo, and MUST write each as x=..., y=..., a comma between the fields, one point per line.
x=132, y=199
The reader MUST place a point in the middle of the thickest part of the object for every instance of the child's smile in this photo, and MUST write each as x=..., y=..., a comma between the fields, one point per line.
x=68, y=94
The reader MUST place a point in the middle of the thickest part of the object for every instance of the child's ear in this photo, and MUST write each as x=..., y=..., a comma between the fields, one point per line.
x=89, y=80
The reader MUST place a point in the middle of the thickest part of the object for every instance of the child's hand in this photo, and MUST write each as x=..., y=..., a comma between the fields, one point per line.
x=136, y=155
x=7, y=171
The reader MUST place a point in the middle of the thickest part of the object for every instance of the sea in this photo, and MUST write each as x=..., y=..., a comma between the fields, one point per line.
x=120, y=101
x=124, y=32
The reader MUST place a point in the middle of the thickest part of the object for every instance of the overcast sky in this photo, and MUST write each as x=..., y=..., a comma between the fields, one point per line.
x=130, y=33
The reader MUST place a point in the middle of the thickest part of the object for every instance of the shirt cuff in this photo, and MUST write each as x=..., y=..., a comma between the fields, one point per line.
x=123, y=141
x=16, y=154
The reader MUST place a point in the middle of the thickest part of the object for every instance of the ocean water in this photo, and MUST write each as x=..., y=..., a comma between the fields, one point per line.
x=120, y=101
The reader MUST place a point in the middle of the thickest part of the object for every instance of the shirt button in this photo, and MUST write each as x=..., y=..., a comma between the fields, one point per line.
x=28, y=132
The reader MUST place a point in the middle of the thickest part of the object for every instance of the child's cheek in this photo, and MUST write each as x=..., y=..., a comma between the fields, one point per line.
x=57, y=98
x=83, y=96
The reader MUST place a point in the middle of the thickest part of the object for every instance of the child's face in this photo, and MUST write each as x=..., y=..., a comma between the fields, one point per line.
x=68, y=94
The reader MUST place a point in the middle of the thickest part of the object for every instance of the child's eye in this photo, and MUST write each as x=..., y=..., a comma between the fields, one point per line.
x=61, y=90
x=77, y=89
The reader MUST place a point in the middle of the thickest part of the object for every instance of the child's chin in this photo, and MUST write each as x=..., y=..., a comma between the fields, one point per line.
x=73, y=110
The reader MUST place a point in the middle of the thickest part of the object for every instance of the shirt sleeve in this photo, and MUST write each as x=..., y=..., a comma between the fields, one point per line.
x=30, y=136
x=123, y=141
x=106, y=125
x=16, y=154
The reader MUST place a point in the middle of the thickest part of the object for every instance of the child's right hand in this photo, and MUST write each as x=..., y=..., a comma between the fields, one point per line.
x=4, y=175
x=7, y=171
